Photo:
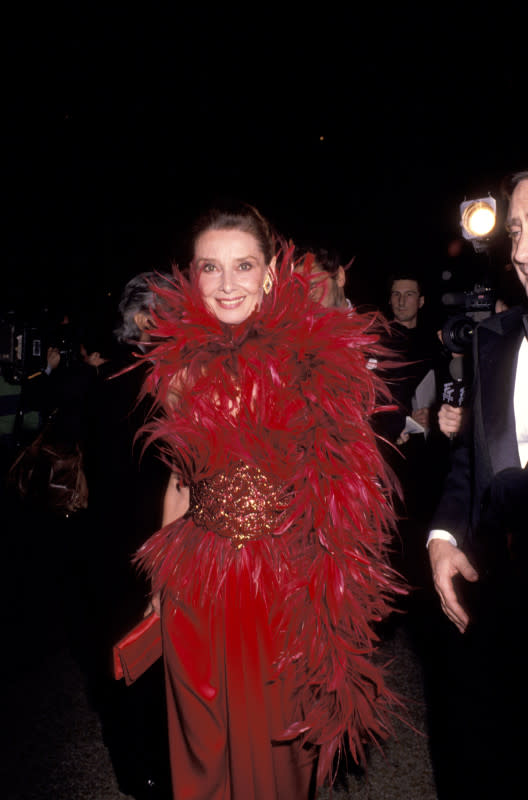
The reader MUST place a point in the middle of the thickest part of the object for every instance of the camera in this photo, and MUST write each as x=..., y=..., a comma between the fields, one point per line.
x=24, y=346
x=470, y=308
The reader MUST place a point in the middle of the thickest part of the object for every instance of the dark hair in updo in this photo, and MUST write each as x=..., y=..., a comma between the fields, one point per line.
x=240, y=217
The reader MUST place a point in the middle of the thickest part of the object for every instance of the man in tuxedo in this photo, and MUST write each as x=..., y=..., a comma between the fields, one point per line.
x=476, y=552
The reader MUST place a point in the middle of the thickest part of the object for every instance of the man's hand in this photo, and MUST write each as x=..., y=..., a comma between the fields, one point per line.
x=421, y=416
x=53, y=357
x=446, y=562
x=403, y=437
x=449, y=420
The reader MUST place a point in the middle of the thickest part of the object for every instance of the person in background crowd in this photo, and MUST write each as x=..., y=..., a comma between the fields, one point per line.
x=406, y=299
x=126, y=487
x=136, y=306
x=410, y=378
x=415, y=346
x=327, y=278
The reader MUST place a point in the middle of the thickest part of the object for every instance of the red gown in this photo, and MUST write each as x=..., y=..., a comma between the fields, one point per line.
x=272, y=581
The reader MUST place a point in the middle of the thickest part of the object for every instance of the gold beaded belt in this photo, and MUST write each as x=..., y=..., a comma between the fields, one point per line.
x=241, y=504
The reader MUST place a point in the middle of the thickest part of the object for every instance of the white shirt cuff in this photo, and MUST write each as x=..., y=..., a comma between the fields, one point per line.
x=439, y=534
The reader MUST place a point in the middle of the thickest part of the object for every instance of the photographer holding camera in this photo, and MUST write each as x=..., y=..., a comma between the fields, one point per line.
x=475, y=552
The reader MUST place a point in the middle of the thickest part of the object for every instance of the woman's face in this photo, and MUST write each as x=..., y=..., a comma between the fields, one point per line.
x=231, y=269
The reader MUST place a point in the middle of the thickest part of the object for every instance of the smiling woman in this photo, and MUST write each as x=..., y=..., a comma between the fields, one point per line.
x=271, y=563
x=232, y=273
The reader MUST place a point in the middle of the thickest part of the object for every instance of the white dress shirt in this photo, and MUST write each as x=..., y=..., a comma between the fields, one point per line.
x=520, y=402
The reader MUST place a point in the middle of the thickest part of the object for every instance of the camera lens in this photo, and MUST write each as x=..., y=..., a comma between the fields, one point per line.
x=457, y=333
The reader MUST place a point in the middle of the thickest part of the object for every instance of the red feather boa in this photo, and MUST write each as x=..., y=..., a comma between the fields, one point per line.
x=290, y=392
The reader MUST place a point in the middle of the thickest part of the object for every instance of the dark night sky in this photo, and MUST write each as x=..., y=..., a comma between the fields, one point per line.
x=121, y=124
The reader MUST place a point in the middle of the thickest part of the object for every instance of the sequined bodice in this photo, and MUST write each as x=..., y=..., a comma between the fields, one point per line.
x=242, y=503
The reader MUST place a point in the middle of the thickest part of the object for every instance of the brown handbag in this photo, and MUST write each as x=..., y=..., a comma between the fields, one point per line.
x=50, y=475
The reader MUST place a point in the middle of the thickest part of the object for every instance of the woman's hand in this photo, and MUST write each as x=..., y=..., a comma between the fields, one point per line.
x=176, y=500
x=175, y=505
x=153, y=606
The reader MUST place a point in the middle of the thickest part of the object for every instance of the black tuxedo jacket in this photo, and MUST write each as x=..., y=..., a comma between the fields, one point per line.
x=489, y=444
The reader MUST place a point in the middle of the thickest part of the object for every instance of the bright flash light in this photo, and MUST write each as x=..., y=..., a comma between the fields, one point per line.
x=480, y=221
x=478, y=217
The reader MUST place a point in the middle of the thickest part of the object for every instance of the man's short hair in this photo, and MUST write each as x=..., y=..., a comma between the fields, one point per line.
x=511, y=181
x=406, y=276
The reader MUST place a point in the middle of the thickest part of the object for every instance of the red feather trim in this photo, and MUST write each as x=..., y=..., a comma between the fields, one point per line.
x=288, y=391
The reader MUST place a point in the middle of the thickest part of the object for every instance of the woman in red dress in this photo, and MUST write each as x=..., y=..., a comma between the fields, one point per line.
x=271, y=565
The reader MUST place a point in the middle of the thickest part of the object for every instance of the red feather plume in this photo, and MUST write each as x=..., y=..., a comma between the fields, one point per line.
x=290, y=392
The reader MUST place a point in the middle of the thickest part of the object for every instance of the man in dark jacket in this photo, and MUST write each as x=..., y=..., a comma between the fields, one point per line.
x=476, y=551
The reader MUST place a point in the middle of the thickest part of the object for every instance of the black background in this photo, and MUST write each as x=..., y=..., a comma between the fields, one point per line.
x=122, y=122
